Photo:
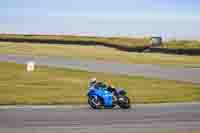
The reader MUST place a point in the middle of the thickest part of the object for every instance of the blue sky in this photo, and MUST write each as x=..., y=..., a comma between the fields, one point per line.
x=168, y=18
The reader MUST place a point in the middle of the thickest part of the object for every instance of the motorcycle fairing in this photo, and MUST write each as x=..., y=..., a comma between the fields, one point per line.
x=104, y=94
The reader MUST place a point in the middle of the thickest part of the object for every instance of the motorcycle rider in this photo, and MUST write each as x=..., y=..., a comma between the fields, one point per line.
x=93, y=82
x=111, y=88
x=96, y=84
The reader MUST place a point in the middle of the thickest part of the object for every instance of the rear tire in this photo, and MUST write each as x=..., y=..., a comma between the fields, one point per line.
x=125, y=104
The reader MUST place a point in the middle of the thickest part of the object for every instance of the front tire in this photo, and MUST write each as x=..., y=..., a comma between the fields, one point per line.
x=95, y=102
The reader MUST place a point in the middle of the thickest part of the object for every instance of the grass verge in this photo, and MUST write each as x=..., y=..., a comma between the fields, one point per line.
x=118, y=41
x=97, y=53
x=66, y=86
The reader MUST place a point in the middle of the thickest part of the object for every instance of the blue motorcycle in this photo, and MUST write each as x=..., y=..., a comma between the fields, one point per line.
x=101, y=95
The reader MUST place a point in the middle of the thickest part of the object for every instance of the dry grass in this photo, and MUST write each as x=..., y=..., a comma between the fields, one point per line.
x=96, y=53
x=66, y=86
x=183, y=44
x=122, y=41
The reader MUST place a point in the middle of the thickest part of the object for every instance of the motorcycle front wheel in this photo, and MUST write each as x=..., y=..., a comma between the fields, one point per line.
x=95, y=102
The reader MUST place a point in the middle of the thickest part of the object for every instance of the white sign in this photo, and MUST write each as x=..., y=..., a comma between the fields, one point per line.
x=30, y=66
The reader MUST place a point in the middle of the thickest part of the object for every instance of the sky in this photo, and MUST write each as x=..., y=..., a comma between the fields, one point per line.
x=134, y=18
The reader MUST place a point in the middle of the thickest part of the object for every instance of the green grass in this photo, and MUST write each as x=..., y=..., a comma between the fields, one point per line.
x=66, y=86
x=98, y=53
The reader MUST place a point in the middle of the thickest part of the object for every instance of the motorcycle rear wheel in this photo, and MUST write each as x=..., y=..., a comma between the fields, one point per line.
x=125, y=104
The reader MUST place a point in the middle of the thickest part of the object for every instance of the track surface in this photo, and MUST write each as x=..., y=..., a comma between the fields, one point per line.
x=144, y=118
x=181, y=74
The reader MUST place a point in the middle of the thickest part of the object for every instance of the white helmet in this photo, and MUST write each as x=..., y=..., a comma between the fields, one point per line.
x=93, y=81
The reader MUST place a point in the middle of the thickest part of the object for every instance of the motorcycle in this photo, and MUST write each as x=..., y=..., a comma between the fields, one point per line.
x=100, y=95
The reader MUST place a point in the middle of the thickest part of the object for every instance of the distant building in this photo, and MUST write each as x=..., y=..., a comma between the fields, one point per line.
x=156, y=41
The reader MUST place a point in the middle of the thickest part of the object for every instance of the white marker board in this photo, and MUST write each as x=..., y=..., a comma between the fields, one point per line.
x=30, y=66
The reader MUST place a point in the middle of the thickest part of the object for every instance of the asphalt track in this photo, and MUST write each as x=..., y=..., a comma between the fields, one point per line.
x=174, y=118
x=155, y=71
